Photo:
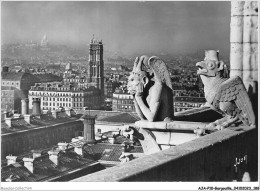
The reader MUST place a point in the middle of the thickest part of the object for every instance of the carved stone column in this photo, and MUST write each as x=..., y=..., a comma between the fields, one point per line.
x=244, y=42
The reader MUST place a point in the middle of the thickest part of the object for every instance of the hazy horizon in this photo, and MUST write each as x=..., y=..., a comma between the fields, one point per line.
x=129, y=27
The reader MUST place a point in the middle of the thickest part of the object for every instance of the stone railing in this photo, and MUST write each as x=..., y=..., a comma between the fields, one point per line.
x=214, y=157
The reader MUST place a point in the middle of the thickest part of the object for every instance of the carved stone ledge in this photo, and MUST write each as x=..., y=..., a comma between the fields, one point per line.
x=171, y=125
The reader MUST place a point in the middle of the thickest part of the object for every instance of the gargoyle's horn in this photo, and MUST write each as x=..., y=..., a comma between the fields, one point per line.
x=143, y=60
x=135, y=63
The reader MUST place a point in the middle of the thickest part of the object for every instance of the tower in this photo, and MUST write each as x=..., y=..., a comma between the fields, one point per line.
x=44, y=41
x=89, y=128
x=96, y=64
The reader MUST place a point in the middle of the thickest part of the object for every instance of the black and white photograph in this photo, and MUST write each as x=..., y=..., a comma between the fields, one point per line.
x=126, y=95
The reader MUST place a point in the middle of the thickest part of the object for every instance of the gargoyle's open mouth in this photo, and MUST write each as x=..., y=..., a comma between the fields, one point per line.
x=200, y=68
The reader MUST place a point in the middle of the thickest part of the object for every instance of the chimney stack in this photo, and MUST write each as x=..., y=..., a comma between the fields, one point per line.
x=36, y=106
x=27, y=118
x=54, y=113
x=126, y=157
x=111, y=140
x=63, y=146
x=36, y=153
x=68, y=111
x=25, y=106
x=29, y=164
x=11, y=159
x=16, y=115
x=78, y=148
x=89, y=128
x=8, y=121
x=54, y=156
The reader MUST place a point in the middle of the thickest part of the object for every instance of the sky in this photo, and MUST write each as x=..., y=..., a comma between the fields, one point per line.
x=129, y=27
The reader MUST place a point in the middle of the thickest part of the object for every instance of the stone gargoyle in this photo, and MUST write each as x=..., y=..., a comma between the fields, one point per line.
x=225, y=95
x=151, y=89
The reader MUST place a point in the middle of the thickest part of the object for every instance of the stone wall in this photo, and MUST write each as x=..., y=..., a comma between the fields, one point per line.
x=19, y=142
x=210, y=158
x=244, y=42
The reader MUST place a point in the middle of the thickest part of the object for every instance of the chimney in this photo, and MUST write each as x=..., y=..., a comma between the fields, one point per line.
x=36, y=106
x=11, y=159
x=54, y=114
x=126, y=157
x=78, y=148
x=111, y=140
x=54, y=156
x=126, y=146
x=16, y=115
x=27, y=118
x=25, y=106
x=68, y=112
x=6, y=114
x=63, y=146
x=36, y=153
x=8, y=122
x=89, y=128
x=29, y=164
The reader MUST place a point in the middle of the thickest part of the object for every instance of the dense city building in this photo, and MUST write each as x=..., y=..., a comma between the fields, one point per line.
x=54, y=95
x=122, y=101
x=182, y=103
x=15, y=87
x=64, y=151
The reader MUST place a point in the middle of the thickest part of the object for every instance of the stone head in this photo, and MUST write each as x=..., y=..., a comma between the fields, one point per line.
x=138, y=78
x=211, y=66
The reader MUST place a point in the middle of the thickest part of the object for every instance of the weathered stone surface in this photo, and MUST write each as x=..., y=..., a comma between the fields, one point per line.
x=173, y=138
x=244, y=41
x=171, y=125
x=250, y=30
x=227, y=95
x=152, y=91
x=236, y=59
x=236, y=26
x=198, y=160
x=237, y=8
x=148, y=142
x=250, y=8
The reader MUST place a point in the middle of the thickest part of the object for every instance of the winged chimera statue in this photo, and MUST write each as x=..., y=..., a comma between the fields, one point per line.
x=225, y=95
x=151, y=89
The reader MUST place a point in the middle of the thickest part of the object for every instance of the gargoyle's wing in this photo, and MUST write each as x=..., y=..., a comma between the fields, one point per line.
x=160, y=70
x=233, y=89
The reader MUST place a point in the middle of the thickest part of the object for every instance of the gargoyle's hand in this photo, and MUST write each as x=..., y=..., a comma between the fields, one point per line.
x=139, y=89
x=132, y=92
